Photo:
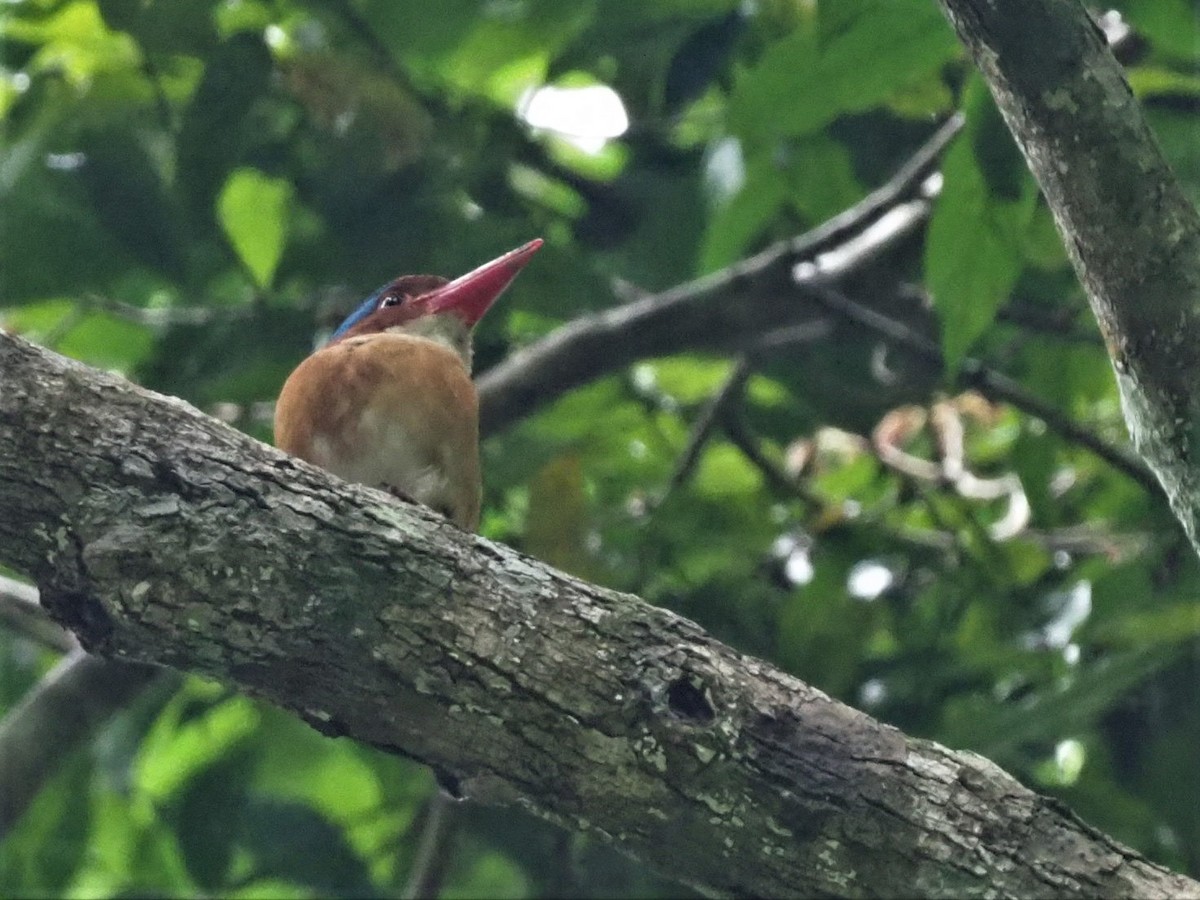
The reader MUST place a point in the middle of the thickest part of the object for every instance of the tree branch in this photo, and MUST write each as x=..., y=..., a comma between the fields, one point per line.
x=726, y=396
x=161, y=536
x=21, y=613
x=987, y=381
x=1130, y=231
x=55, y=717
x=724, y=309
x=435, y=846
x=729, y=395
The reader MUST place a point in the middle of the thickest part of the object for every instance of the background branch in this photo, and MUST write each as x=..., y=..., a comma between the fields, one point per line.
x=56, y=717
x=21, y=613
x=988, y=382
x=435, y=847
x=718, y=311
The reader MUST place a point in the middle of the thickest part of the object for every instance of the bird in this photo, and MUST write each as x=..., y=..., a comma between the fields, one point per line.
x=388, y=400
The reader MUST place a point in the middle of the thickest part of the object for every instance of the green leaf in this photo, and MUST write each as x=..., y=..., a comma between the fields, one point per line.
x=178, y=26
x=1043, y=245
x=253, y=210
x=300, y=765
x=492, y=875
x=503, y=53
x=40, y=206
x=489, y=49
x=218, y=124
x=821, y=178
x=1176, y=133
x=99, y=339
x=973, y=252
x=1172, y=25
x=75, y=42
x=739, y=220
x=1021, y=561
x=131, y=197
x=862, y=52
x=175, y=750
x=849, y=480
x=723, y=472
x=690, y=379
x=1171, y=624
x=1148, y=81
x=45, y=847
x=410, y=30
x=208, y=815
x=294, y=842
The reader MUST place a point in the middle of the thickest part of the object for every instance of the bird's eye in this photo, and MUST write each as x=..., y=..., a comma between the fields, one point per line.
x=389, y=300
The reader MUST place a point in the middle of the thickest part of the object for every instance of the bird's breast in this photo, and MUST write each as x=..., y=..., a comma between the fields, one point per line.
x=386, y=410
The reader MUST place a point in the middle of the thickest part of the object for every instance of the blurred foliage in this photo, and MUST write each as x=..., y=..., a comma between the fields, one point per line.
x=192, y=191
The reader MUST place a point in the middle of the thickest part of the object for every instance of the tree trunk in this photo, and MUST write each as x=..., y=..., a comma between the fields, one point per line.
x=1131, y=233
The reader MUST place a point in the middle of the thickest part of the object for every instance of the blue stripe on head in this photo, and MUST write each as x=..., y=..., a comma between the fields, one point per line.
x=364, y=309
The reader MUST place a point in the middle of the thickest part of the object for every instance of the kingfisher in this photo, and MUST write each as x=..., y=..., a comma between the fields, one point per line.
x=388, y=400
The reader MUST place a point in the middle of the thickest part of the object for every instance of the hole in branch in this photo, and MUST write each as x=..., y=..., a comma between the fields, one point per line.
x=688, y=701
x=449, y=784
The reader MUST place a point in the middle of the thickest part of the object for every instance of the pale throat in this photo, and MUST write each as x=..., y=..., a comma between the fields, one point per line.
x=446, y=329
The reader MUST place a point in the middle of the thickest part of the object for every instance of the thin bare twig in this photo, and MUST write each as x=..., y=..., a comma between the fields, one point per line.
x=750, y=446
x=726, y=396
x=163, y=316
x=439, y=827
x=1058, y=324
x=730, y=393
